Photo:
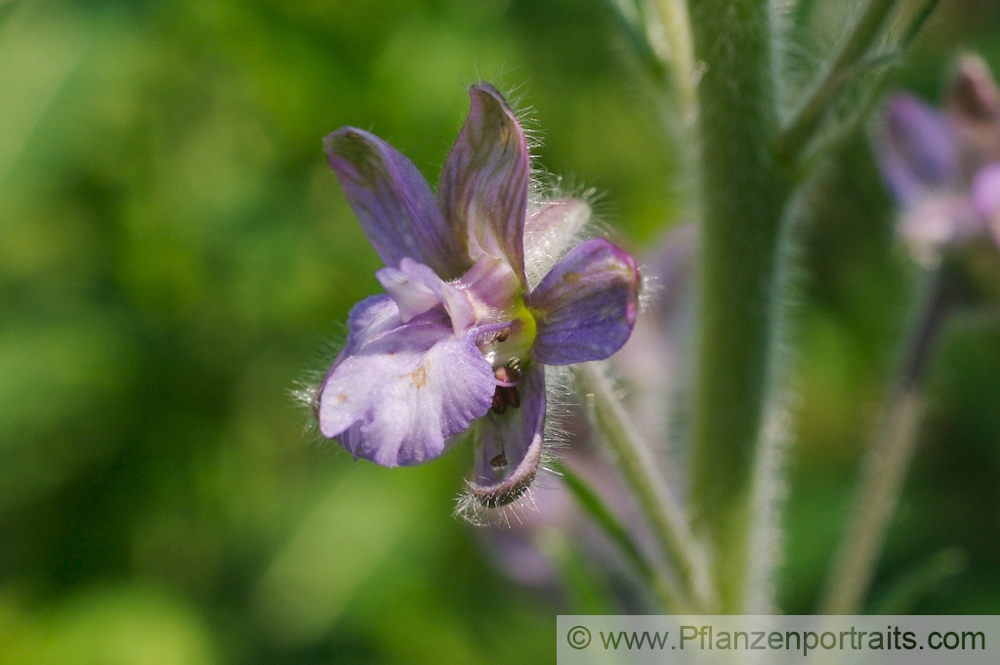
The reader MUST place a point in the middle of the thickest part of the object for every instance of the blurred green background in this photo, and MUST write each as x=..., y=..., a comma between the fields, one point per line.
x=175, y=255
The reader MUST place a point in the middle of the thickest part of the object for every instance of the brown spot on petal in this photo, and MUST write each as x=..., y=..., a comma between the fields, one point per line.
x=419, y=376
x=571, y=277
x=341, y=398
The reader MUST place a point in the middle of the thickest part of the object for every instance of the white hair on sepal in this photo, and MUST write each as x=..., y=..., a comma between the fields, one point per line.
x=649, y=288
x=523, y=113
x=305, y=389
x=559, y=218
x=515, y=94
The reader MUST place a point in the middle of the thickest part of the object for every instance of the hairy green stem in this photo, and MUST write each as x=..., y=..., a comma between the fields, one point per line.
x=743, y=198
x=665, y=516
x=853, y=45
x=663, y=589
x=885, y=465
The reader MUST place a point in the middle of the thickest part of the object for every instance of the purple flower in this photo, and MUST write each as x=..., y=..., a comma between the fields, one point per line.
x=461, y=337
x=944, y=167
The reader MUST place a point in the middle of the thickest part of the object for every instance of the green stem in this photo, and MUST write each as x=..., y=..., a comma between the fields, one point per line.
x=855, y=43
x=743, y=198
x=677, y=33
x=885, y=466
x=663, y=588
x=632, y=19
x=665, y=516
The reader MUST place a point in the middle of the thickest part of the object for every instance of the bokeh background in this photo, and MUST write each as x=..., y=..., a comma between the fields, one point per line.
x=175, y=255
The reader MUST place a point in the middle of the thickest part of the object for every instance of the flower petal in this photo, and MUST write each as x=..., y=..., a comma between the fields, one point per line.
x=492, y=284
x=917, y=151
x=549, y=231
x=586, y=306
x=369, y=320
x=393, y=202
x=509, y=445
x=397, y=398
x=417, y=289
x=937, y=222
x=484, y=183
x=986, y=195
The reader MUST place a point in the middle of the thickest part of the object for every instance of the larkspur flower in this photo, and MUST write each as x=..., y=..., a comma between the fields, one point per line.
x=944, y=167
x=461, y=338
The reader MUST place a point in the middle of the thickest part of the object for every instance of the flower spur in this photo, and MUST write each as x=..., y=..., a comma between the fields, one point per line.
x=461, y=337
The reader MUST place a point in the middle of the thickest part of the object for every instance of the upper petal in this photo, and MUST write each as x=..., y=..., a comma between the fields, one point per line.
x=484, y=184
x=393, y=202
x=417, y=289
x=509, y=445
x=493, y=286
x=917, y=149
x=396, y=399
x=586, y=306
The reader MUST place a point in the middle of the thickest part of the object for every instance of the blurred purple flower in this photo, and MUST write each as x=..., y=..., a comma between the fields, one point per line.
x=944, y=167
x=462, y=335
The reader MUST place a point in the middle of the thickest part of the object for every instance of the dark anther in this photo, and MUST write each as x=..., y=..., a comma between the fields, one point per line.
x=499, y=462
x=499, y=405
x=503, y=335
x=505, y=396
x=513, y=397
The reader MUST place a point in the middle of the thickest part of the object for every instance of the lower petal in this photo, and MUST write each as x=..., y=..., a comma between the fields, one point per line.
x=509, y=445
x=397, y=400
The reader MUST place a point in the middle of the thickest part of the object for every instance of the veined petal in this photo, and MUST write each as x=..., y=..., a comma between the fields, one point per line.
x=396, y=400
x=586, y=306
x=917, y=151
x=393, y=202
x=484, y=183
x=412, y=295
x=492, y=284
x=509, y=445
x=417, y=289
x=369, y=320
